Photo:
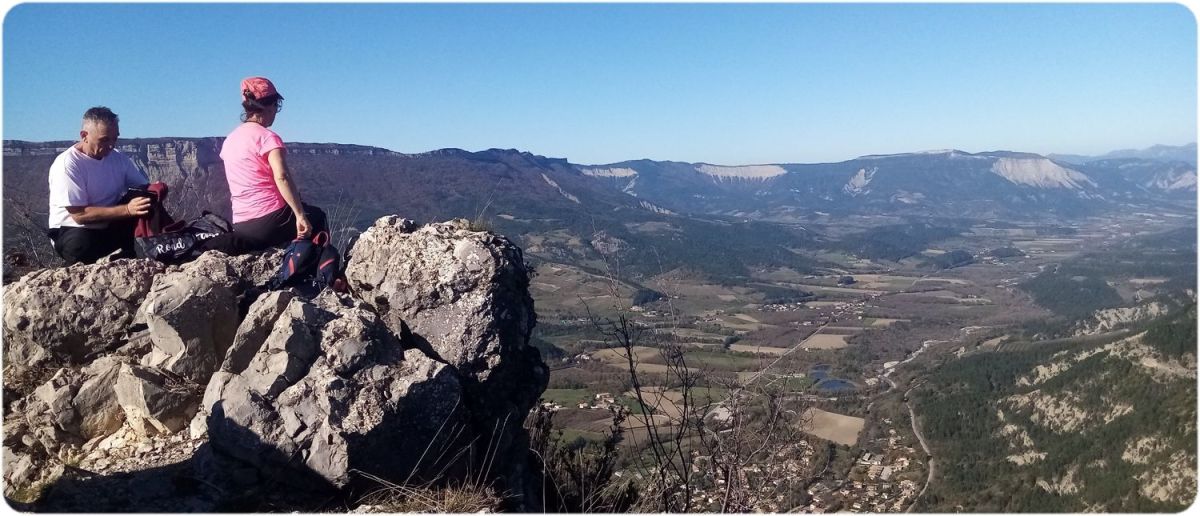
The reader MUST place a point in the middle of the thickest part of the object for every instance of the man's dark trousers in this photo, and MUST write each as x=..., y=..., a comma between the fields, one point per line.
x=85, y=245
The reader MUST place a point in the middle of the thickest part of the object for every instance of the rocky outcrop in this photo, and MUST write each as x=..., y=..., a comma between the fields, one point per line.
x=423, y=373
x=1110, y=319
x=464, y=295
x=64, y=315
x=192, y=316
x=330, y=388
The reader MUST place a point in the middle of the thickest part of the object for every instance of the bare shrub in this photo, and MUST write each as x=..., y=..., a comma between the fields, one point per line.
x=699, y=452
x=580, y=478
x=342, y=218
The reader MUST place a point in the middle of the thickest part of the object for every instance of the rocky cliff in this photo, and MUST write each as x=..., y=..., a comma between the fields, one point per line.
x=132, y=385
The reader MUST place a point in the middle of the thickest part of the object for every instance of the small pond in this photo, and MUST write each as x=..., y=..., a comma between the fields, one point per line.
x=835, y=384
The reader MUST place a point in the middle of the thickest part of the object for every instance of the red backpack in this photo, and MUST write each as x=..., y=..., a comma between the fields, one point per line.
x=160, y=237
x=158, y=220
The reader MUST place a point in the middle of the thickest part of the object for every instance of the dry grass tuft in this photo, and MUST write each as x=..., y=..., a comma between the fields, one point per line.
x=391, y=497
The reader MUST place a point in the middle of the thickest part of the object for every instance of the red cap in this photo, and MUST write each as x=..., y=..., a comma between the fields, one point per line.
x=259, y=88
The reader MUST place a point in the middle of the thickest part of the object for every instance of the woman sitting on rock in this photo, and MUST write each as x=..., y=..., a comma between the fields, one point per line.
x=267, y=210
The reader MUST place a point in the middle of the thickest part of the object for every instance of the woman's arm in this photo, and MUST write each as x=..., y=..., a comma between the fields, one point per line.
x=288, y=189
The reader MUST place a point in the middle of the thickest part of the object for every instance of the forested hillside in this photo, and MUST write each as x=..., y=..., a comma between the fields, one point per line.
x=1105, y=427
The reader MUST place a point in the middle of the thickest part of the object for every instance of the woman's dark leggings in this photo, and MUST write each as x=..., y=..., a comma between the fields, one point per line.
x=273, y=229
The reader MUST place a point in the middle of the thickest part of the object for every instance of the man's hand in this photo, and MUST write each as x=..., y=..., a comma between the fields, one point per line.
x=138, y=206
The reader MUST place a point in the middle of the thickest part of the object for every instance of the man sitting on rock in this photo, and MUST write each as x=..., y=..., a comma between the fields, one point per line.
x=87, y=184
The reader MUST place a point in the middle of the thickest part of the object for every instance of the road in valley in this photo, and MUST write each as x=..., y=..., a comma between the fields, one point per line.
x=912, y=415
x=916, y=428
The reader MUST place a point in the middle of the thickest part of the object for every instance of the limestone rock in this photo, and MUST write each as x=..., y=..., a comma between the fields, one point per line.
x=192, y=316
x=96, y=402
x=464, y=295
x=154, y=402
x=285, y=352
x=308, y=391
x=253, y=269
x=72, y=312
x=18, y=467
x=329, y=392
x=463, y=291
x=254, y=329
x=51, y=403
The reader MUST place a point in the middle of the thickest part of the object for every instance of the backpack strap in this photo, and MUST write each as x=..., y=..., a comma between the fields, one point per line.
x=321, y=239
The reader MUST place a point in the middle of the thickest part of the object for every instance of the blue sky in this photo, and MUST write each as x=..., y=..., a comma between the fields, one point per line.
x=600, y=83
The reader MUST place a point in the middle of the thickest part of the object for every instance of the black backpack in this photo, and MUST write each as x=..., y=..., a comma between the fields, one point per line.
x=309, y=264
x=182, y=240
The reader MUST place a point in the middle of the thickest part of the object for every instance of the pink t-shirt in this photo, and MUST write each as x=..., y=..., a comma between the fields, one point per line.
x=251, y=183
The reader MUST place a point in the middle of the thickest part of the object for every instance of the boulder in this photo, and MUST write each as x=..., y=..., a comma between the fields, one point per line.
x=255, y=328
x=286, y=350
x=192, y=316
x=256, y=269
x=464, y=292
x=95, y=402
x=68, y=314
x=328, y=391
x=464, y=295
x=155, y=402
x=51, y=402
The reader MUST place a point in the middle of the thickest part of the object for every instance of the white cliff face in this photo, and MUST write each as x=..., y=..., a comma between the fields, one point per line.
x=1040, y=173
x=629, y=187
x=857, y=185
x=1112, y=318
x=746, y=172
x=1184, y=180
x=609, y=172
x=564, y=193
x=949, y=153
x=655, y=209
x=621, y=172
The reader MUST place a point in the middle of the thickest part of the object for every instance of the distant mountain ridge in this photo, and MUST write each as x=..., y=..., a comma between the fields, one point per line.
x=552, y=210
x=716, y=217
x=942, y=183
x=1168, y=153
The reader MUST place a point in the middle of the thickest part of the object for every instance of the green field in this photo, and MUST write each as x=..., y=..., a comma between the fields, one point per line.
x=571, y=434
x=568, y=397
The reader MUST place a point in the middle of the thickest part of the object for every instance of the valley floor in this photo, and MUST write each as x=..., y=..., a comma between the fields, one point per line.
x=852, y=351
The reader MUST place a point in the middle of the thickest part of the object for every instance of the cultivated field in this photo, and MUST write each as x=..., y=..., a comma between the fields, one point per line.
x=834, y=427
x=617, y=358
x=571, y=289
x=824, y=341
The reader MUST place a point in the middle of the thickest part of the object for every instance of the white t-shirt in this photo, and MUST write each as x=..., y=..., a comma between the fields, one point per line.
x=79, y=180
